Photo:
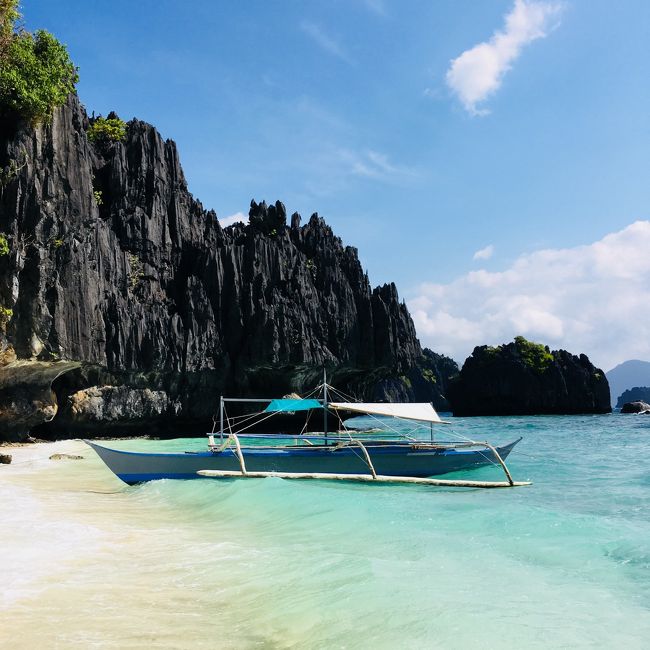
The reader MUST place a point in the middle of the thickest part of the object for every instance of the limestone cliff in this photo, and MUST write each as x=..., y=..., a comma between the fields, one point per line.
x=114, y=265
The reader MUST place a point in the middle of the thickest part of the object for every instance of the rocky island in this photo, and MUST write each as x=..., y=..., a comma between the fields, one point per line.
x=526, y=378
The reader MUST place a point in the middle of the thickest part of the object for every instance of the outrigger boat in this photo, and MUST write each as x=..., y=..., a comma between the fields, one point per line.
x=344, y=454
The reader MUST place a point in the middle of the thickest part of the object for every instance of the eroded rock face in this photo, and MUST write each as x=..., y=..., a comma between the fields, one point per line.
x=507, y=381
x=106, y=406
x=26, y=395
x=115, y=265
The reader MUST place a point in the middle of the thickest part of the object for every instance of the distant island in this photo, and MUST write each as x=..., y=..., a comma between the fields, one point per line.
x=526, y=378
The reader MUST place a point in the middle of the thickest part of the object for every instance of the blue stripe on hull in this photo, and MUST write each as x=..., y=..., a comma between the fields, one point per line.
x=134, y=479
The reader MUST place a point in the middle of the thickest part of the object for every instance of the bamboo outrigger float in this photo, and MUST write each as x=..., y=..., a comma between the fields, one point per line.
x=330, y=455
x=368, y=478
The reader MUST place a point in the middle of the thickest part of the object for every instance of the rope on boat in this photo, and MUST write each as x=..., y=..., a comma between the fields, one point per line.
x=367, y=455
x=270, y=415
x=305, y=427
x=238, y=420
x=345, y=396
x=313, y=392
x=358, y=443
x=501, y=461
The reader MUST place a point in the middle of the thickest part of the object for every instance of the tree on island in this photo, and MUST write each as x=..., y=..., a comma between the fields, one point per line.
x=36, y=73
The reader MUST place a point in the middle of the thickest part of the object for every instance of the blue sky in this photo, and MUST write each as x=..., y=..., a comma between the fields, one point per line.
x=535, y=139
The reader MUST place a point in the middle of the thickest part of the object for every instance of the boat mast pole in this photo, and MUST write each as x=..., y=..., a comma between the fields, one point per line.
x=221, y=417
x=325, y=404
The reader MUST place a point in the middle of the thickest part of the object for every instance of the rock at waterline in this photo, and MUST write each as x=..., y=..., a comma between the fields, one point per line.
x=65, y=457
x=636, y=394
x=5, y=459
x=636, y=407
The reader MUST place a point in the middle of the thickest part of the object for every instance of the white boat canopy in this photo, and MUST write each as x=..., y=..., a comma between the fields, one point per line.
x=422, y=411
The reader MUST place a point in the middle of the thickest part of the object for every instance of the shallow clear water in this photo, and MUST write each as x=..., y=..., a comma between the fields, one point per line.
x=88, y=562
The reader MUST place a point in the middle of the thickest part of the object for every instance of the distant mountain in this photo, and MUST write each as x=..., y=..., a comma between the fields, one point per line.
x=628, y=375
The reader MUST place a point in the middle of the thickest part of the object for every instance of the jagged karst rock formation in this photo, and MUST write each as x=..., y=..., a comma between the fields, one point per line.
x=524, y=378
x=115, y=266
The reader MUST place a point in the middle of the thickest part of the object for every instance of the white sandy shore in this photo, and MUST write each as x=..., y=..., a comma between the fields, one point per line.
x=37, y=452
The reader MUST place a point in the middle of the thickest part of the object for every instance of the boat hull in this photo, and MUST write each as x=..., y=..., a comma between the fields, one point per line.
x=388, y=460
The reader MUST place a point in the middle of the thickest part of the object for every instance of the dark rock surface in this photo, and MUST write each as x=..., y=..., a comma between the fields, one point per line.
x=431, y=377
x=636, y=394
x=5, y=459
x=517, y=379
x=116, y=266
x=635, y=407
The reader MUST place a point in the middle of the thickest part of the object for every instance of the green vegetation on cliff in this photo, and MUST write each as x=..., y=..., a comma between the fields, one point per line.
x=110, y=129
x=36, y=73
x=535, y=355
x=5, y=313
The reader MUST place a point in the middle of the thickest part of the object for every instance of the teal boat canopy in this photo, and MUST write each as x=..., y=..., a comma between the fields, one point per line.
x=291, y=405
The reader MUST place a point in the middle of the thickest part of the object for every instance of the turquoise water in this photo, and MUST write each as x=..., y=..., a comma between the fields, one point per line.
x=565, y=563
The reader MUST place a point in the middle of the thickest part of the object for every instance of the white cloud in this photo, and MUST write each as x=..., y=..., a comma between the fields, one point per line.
x=593, y=299
x=374, y=165
x=478, y=72
x=325, y=41
x=484, y=253
x=233, y=218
